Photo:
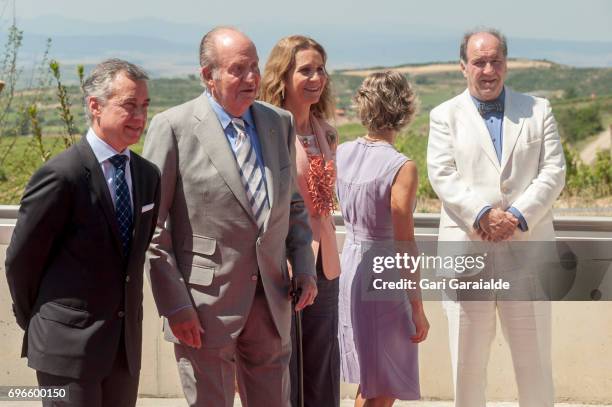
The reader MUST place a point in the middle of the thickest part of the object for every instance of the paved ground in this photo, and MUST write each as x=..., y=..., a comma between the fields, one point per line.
x=349, y=403
x=157, y=402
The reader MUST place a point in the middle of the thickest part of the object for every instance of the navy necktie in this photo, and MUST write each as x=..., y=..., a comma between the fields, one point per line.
x=490, y=107
x=123, y=205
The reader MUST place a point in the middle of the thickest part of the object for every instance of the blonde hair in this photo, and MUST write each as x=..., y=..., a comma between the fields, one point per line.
x=280, y=62
x=385, y=102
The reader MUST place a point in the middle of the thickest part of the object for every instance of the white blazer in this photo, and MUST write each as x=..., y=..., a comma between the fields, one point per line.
x=465, y=173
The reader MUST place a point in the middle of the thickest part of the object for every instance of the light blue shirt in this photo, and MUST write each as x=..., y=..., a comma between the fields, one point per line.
x=230, y=132
x=103, y=151
x=494, y=122
x=232, y=136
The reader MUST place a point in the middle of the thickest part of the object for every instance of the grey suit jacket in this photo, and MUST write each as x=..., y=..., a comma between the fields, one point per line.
x=207, y=250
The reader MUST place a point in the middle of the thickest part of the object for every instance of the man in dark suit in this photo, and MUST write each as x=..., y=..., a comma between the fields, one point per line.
x=74, y=264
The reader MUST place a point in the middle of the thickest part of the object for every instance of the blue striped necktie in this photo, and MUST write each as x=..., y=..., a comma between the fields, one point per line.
x=123, y=205
x=251, y=174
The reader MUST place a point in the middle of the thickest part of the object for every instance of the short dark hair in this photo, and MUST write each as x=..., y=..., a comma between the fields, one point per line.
x=99, y=82
x=503, y=43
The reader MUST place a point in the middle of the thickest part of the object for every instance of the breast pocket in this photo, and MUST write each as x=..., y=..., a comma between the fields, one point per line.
x=531, y=142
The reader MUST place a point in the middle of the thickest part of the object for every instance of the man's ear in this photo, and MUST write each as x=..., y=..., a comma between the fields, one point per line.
x=94, y=106
x=463, y=68
x=207, y=76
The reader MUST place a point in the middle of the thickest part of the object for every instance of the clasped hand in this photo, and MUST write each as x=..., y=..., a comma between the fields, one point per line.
x=497, y=225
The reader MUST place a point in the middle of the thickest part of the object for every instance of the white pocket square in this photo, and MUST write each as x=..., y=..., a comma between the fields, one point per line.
x=147, y=208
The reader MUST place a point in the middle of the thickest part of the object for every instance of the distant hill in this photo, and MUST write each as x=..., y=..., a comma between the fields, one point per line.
x=168, y=49
x=444, y=67
x=436, y=82
x=581, y=101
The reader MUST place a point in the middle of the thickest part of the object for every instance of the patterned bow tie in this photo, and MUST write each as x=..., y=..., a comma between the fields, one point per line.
x=490, y=107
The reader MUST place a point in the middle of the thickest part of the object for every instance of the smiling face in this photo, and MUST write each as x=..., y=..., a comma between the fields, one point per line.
x=234, y=81
x=306, y=81
x=121, y=118
x=485, y=68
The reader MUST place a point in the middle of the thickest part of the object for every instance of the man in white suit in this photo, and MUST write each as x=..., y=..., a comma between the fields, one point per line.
x=496, y=162
x=229, y=218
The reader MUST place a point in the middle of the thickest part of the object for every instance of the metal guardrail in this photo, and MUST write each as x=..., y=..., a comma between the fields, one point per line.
x=601, y=224
x=587, y=239
x=562, y=224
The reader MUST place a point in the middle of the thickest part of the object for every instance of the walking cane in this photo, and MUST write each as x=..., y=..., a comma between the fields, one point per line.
x=295, y=296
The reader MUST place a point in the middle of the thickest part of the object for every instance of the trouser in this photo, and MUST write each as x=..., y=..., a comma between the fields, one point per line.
x=257, y=359
x=526, y=326
x=118, y=389
x=320, y=347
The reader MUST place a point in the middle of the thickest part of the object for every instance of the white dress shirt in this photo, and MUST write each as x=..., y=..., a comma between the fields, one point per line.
x=103, y=152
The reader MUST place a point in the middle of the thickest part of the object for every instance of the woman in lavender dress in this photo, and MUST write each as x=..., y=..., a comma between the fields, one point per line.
x=376, y=188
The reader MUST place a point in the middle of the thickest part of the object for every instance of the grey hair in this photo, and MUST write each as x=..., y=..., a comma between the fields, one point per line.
x=503, y=43
x=208, y=49
x=385, y=102
x=99, y=82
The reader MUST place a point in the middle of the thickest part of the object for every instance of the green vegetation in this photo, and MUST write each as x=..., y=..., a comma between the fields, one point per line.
x=40, y=120
x=577, y=124
x=572, y=82
x=23, y=158
x=580, y=115
x=588, y=181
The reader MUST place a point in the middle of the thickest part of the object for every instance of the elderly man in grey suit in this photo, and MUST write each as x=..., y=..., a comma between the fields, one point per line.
x=229, y=219
x=496, y=162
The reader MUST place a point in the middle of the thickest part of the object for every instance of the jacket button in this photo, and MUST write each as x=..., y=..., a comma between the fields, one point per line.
x=254, y=277
x=127, y=279
x=120, y=314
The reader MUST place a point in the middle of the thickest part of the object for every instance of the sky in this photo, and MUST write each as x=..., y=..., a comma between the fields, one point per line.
x=583, y=20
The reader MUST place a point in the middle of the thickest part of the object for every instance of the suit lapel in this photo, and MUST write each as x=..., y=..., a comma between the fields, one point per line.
x=475, y=122
x=137, y=185
x=214, y=143
x=100, y=189
x=268, y=140
x=512, y=125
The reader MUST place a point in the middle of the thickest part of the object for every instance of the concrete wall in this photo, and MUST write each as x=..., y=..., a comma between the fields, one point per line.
x=582, y=352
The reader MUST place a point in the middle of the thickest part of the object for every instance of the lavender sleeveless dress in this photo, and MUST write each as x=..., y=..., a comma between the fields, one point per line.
x=374, y=336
